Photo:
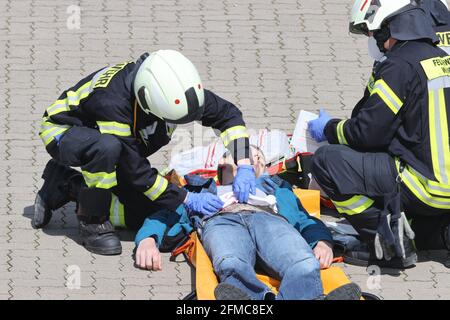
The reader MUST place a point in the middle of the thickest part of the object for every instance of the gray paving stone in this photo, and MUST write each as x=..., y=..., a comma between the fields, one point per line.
x=271, y=58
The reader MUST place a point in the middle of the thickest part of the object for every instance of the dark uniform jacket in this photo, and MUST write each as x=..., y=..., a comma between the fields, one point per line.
x=405, y=112
x=105, y=101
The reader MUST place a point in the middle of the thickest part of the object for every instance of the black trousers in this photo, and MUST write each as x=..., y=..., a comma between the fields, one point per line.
x=356, y=183
x=95, y=154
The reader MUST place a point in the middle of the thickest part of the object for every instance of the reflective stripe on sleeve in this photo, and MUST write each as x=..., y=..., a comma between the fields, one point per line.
x=233, y=133
x=340, y=133
x=157, y=189
x=387, y=95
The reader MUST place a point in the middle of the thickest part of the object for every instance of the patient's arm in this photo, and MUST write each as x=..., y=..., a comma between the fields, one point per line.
x=148, y=256
x=324, y=253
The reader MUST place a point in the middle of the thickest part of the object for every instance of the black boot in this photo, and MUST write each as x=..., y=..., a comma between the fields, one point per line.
x=350, y=291
x=225, y=291
x=364, y=257
x=100, y=238
x=59, y=181
x=447, y=244
x=96, y=231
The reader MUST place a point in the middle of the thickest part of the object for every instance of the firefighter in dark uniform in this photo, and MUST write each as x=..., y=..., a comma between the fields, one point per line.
x=440, y=18
x=393, y=155
x=110, y=122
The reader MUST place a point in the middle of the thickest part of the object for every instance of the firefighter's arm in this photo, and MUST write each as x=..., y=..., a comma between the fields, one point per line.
x=378, y=119
x=140, y=174
x=226, y=118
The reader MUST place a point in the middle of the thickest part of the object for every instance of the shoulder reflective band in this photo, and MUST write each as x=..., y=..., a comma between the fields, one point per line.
x=50, y=130
x=117, y=212
x=354, y=205
x=157, y=189
x=444, y=38
x=73, y=98
x=103, y=80
x=100, y=180
x=436, y=67
x=233, y=133
x=115, y=128
x=439, y=140
x=387, y=95
x=340, y=133
x=417, y=188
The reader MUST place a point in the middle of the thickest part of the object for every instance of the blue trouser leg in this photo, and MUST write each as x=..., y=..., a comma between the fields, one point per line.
x=285, y=255
x=228, y=243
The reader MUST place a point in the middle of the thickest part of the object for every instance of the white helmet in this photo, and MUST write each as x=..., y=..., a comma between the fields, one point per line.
x=369, y=15
x=168, y=86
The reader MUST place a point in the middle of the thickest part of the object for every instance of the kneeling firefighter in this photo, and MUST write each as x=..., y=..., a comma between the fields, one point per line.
x=110, y=122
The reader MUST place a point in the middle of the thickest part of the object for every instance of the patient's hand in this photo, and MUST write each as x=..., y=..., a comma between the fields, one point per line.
x=324, y=253
x=148, y=256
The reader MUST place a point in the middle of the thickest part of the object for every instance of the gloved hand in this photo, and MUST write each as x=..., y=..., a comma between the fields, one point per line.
x=316, y=127
x=391, y=232
x=266, y=184
x=204, y=203
x=244, y=183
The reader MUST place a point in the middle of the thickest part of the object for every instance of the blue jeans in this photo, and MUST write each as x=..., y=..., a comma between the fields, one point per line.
x=237, y=242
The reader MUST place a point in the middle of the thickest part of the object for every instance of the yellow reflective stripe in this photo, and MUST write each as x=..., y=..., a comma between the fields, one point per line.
x=340, y=133
x=115, y=128
x=436, y=67
x=434, y=188
x=101, y=180
x=49, y=136
x=387, y=95
x=444, y=38
x=117, y=212
x=439, y=140
x=354, y=205
x=417, y=188
x=73, y=99
x=233, y=133
x=157, y=189
x=50, y=130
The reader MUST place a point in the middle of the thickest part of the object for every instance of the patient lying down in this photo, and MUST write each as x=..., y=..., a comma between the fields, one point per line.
x=271, y=233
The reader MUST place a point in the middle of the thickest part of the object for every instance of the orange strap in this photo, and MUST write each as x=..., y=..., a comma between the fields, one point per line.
x=184, y=248
x=338, y=260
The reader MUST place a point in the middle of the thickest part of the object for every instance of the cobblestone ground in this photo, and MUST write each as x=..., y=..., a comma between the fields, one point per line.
x=272, y=58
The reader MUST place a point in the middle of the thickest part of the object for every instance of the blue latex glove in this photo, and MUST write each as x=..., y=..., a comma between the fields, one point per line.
x=204, y=203
x=265, y=184
x=244, y=183
x=316, y=127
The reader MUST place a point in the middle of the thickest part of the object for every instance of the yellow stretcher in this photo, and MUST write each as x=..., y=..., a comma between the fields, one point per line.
x=206, y=280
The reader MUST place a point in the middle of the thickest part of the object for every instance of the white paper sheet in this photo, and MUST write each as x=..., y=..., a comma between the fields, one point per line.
x=301, y=139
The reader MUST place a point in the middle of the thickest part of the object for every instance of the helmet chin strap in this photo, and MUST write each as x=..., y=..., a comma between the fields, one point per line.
x=382, y=36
